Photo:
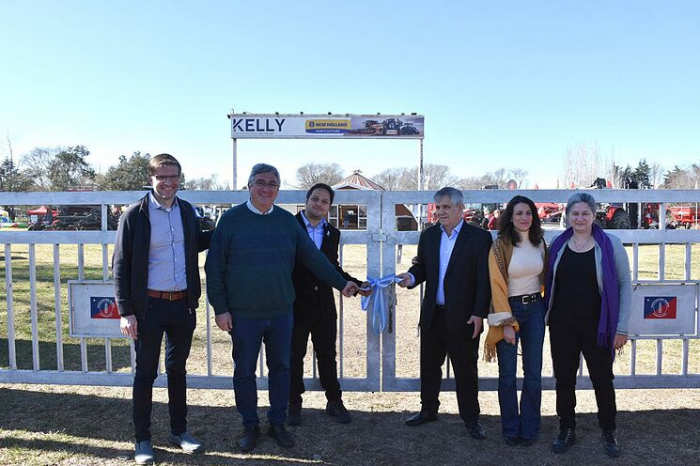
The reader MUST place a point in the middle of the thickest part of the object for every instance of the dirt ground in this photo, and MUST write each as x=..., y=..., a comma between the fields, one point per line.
x=74, y=425
x=67, y=425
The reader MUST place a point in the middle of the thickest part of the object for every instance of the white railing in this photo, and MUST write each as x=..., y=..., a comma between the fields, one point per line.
x=89, y=364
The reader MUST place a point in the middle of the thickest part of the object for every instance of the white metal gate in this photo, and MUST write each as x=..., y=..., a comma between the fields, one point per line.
x=687, y=239
x=94, y=361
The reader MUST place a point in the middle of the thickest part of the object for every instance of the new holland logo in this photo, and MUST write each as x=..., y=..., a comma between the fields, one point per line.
x=660, y=307
x=327, y=126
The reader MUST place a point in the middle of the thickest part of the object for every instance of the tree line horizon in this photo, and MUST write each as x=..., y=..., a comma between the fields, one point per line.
x=67, y=168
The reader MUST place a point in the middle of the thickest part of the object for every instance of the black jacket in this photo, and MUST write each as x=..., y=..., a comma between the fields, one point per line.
x=312, y=295
x=467, y=287
x=130, y=259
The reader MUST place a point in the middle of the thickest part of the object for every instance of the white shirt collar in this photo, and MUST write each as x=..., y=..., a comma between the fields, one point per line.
x=254, y=209
x=308, y=223
x=455, y=230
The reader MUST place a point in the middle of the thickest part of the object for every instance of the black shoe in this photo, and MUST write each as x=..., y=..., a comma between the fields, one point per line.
x=421, y=418
x=249, y=438
x=527, y=442
x=294, y=414
x=565, y=439
x=337, y=409
x=280, y=434
x=612, y=449
x=511, y=441
x=476, y=430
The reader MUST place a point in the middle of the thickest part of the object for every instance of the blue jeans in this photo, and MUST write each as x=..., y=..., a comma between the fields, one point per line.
x=525, y=424
x=247, y=335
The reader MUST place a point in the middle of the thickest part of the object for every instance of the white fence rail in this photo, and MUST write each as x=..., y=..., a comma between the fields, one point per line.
x=382, y=243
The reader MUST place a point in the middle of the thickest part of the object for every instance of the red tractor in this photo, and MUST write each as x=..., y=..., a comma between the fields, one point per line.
x=472, y=214
x=610, y=216
x=549, y=212
x=685, y=215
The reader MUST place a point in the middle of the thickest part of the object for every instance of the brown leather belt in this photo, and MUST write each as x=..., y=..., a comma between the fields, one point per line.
x=169, y=295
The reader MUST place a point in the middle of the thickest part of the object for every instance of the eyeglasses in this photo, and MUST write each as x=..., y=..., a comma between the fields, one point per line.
x=261, y=184
x=173, y=179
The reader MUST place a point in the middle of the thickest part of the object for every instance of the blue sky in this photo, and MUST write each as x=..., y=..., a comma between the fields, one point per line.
x=501, y=83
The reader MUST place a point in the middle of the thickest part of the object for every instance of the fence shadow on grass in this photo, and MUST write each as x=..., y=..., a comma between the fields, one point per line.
x=121, y=355
x=100, y=428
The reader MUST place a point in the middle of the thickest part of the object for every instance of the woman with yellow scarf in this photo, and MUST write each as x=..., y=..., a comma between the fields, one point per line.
x=516, y=269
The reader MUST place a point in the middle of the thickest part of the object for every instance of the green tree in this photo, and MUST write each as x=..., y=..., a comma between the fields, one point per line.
x=128, y=175
x=69, y=169
x=643, y=174
x=12, y=180
x=627, y=174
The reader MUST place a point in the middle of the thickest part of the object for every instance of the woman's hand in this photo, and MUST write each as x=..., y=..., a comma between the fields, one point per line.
x=509, y=334
x=620, y=341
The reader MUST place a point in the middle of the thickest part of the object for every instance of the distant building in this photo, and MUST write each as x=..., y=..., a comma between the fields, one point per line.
x=354, y=216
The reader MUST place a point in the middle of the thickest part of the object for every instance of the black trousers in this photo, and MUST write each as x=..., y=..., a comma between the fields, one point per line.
x=436, y=343
x=172, y=318
x=323, y=329
x=568, y=342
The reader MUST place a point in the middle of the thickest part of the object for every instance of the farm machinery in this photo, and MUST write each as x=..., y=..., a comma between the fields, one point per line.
x=388, y=127
x=74, y=218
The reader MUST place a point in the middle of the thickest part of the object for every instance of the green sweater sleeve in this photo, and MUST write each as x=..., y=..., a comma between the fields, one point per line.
x=215, y=268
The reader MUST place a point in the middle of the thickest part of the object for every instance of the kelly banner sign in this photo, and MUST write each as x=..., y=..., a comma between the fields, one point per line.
x=664, y=310
x=263, y=126
x=93, y=309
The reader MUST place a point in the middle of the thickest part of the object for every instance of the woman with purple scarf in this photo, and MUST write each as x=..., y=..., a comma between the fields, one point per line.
x=587, y=297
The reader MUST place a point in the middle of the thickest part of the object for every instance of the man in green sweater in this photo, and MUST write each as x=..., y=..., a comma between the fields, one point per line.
x=249, y=284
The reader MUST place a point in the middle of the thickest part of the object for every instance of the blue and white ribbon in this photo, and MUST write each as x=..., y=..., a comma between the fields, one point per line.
x=381, y=301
